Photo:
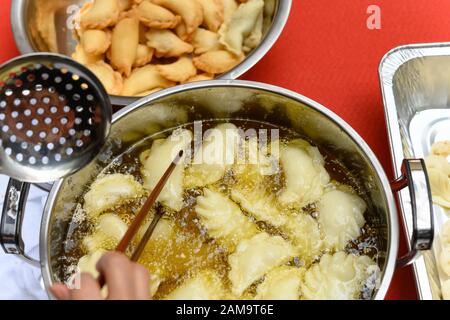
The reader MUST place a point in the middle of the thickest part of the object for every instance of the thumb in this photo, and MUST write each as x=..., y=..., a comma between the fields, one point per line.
x=60, y=291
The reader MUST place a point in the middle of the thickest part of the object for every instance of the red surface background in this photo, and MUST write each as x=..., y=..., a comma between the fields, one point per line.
x=327, y=53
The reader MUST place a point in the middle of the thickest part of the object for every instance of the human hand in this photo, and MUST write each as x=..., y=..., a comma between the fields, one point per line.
x=126, y=280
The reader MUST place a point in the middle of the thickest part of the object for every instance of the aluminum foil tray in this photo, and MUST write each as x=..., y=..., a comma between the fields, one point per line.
x=415, y=81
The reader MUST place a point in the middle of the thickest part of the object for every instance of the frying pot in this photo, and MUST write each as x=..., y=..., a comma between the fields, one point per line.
x=231, y=99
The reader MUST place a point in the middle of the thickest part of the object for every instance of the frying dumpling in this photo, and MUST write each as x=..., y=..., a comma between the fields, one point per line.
x=223, y=219
x=341, y=217
x=99, y=14
x=282, y=283
x=88, y=263
x=255, y=257
x=85, y=58
x=305, y=174
x=157, y=161
x=111, y=80
x=144, y=55
x=234, y=32
x=109, y=191
x=439, y=175
x=207, y=285
x=217, y=61
x=154, y=16
x=190, y=10
x=109, y=230
x=95, y=42
x=167, y=44
x=338, y=277
x=125, y=40
x=304, y=232
x=213, y=13
x=204, y=40
x=214, y=157
x=144, y=79
x=179, y=71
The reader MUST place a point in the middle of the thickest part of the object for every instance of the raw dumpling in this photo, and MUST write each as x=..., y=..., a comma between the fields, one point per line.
x=167, y=44
x=223, y=219
x=304, y=232
x=338, y=277
x=444, y=260
x=446, y=289
x=144, y=79
x=109, y=231
x=255, y=257
x=95, y=42
x=213, y=14
x=341, y=217
x=234, y=32
x=99, y=14
x=217, y=61
x=154, y=16
x=124, y=45
x=111, y=80
x=109, y=191
x=190, y=10
x=439, y=175
x=445, y=234
x=441, y=148
x=305, y=175
x=179, y=71
x=214, y=156
x=282, y=283
x=159, y=159
x=207, y=285
x=204, y=40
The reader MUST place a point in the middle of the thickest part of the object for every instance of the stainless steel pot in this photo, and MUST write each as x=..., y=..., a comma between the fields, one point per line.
x=23, y=18
x=255, y=101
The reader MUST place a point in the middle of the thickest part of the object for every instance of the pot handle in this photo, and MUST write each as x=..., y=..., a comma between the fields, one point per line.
x=11, y=220
x=415, y=178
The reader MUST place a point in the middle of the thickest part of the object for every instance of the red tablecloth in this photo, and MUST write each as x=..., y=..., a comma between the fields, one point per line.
x=327, y=53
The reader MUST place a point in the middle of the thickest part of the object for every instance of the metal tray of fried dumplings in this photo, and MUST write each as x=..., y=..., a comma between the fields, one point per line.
x=415, y=82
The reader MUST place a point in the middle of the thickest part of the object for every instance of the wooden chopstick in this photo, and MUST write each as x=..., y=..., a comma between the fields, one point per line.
x=134, y=227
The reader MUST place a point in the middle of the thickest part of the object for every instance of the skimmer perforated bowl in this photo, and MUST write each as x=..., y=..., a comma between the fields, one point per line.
x=54, y=116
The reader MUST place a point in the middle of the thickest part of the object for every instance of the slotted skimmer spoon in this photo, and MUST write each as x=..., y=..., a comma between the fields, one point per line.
x=55, y=116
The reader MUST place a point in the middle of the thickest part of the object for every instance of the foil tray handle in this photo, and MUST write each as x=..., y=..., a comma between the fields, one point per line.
x=415, y=178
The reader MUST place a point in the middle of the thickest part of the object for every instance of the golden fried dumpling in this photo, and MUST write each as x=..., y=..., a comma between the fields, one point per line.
x=109, y=230
x=99, y=14
x=125, y=4
x=190, y=10
x=167, y=44
x=255, y=37
x=234, y=32
x=109, y=191
x=255, y=257
x=179, y=71
x=125, y=40
x=213, y=14
x=305, y=174
x=201, y=77
x=217, y=61
x=156, y=162
x=154, y=16
x=111, y=80
x=95, y=42
x=216, y=154
x=229, y=7
x=341, y=217
x=85, y=58
x=144, y=79
x=338, y=277
x=144, y=55
x=282, y=283
x=304, y=232
x=223, y=219
x=204, y=40
x=206, y=285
